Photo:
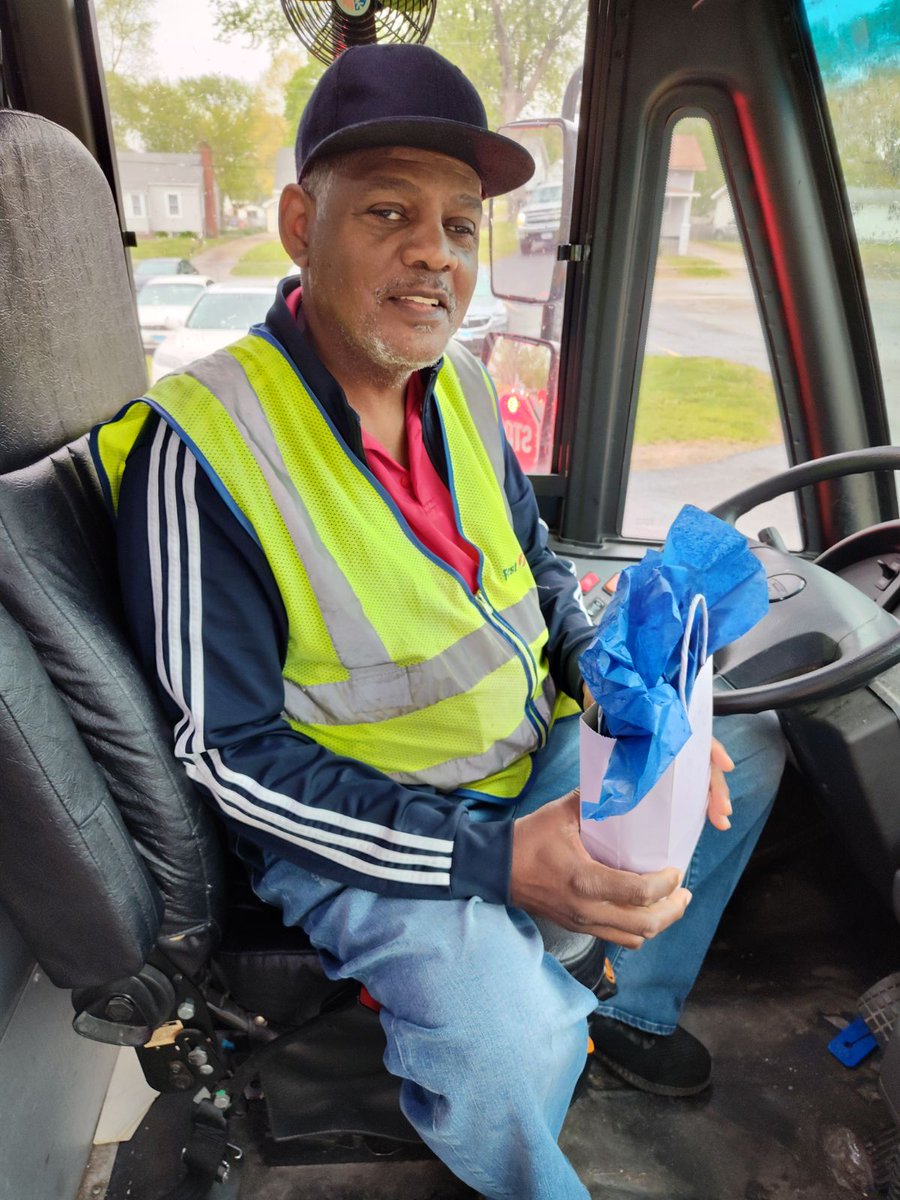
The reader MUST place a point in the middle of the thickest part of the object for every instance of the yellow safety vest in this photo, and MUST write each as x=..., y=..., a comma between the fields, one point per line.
x=390, y=660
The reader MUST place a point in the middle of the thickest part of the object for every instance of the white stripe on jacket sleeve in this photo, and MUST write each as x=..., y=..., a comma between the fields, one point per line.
x=174, y=524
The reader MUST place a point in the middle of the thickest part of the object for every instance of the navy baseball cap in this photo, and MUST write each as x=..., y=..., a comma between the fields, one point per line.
x=406, y=96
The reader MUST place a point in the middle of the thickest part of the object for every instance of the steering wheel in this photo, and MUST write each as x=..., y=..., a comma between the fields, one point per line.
x=822, y=636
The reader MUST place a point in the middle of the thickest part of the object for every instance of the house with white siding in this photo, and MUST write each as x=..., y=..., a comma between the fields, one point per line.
x=168, y=193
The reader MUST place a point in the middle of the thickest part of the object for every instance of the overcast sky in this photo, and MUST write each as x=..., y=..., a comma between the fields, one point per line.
x=185, y=44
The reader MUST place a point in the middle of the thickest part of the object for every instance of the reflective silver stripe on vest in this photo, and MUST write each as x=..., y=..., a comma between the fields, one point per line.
x=458, y=772
x=480, y=403
x=547, y=698
x=393, y=691
x=347, y=624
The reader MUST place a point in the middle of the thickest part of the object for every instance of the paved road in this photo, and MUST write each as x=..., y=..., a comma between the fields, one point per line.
x=718, y=320
x=655, y=497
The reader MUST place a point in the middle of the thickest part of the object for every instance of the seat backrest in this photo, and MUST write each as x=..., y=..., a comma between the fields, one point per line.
x=70, y=349
x=70, y=356
x=55, y=817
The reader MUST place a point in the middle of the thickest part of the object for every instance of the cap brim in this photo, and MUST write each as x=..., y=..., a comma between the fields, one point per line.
x=500, y=163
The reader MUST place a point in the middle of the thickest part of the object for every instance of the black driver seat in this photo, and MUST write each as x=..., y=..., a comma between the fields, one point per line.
x=70, y=356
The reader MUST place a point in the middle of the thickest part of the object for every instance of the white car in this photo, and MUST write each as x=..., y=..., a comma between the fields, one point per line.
x=221, y=315
x=164, y=302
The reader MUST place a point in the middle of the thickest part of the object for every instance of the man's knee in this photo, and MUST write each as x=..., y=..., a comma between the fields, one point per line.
x=503, y=1059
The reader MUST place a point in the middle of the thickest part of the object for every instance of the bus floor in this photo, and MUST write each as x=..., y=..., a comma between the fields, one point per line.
x=802, y=938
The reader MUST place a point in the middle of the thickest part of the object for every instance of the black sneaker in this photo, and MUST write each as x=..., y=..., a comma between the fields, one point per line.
x=675, y=1064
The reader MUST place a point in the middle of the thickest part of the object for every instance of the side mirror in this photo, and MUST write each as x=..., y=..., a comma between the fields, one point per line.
x=525, y=371
x=528, y=225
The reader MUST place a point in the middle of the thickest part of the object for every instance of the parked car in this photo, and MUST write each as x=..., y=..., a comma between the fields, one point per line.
x=487, y=314
x=143, y=269
x=538, y=221
x=218, y=317
x=163, y=304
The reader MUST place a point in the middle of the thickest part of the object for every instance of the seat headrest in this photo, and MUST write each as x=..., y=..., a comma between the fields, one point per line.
x=70, y=348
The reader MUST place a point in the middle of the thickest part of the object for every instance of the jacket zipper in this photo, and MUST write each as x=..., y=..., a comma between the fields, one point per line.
x=481, y=598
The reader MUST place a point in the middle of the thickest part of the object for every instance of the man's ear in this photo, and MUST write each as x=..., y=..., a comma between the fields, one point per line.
x=296, y=212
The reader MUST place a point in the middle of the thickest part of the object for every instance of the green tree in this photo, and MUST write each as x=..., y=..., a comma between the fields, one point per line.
x=297, y=93
x=262, y=21
x=519, y=56
x=860, y=64
x=226, y=113
x=866, y=119
x=125, y=28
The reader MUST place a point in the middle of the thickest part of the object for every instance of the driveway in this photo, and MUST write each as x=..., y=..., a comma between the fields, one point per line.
x=218, y=261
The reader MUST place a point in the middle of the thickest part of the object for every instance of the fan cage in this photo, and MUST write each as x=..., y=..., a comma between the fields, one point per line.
x=325, y=29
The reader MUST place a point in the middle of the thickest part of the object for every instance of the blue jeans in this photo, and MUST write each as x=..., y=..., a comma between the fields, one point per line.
x=486, y=1030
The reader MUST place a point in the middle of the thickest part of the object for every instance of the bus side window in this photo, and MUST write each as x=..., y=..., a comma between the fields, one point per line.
x=707, y=422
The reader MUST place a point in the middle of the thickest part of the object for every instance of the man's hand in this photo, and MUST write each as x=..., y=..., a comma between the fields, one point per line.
x=554, y=876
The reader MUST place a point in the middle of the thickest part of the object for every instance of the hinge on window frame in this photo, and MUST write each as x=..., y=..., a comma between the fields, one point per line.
x=572, y=252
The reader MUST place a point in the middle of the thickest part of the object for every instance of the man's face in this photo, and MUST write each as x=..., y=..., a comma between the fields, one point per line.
x=390, y=257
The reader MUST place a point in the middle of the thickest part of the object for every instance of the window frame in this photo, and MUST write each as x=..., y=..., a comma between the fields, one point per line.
x=764, y=99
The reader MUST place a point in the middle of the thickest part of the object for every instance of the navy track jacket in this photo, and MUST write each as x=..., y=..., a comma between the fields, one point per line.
x=208, y=623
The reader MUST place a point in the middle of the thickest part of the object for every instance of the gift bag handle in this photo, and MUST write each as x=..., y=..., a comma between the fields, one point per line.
x=698, y=605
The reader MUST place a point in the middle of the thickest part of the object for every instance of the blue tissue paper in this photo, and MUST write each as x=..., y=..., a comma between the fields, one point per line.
x=632, y=666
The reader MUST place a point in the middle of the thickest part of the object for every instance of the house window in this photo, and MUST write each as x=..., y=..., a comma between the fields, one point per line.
x=173, y=202
x=136, y=201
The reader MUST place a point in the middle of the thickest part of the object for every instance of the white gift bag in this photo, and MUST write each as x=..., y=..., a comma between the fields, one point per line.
x=663, y=828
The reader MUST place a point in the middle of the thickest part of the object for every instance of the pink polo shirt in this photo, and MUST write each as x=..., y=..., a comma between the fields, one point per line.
x=419, y=492
x=421, y=495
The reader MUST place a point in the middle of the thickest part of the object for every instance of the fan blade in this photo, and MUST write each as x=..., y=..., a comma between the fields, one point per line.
x=418, y=15
x=406, y=6
x=311, y=21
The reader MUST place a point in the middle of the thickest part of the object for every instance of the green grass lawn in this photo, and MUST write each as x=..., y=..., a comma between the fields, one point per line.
x=690, y=266
x=734, y=247
x=182, y=245
x=267, y=258
x=880, y=260
x=705, y=399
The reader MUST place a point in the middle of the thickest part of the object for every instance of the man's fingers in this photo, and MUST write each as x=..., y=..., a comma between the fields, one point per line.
x=626, y=887
x=718, y=808
x=719, y=756
x=631, y=926
x=608, y=934
x=638, y=905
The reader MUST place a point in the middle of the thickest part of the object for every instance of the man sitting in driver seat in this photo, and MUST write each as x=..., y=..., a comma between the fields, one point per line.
x=334, y=566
